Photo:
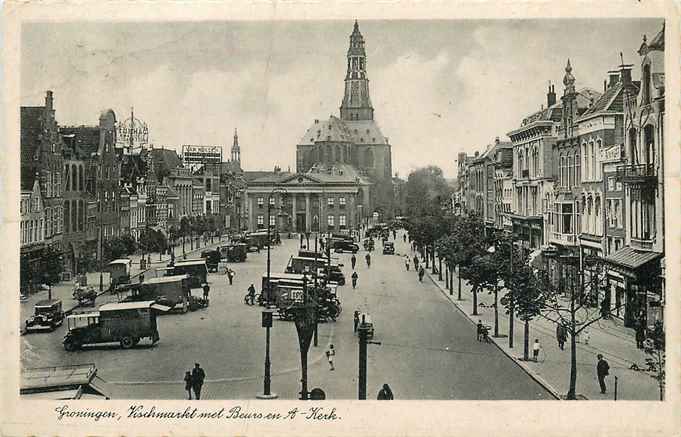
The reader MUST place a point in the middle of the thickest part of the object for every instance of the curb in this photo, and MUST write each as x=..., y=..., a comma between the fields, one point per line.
x=538, y=379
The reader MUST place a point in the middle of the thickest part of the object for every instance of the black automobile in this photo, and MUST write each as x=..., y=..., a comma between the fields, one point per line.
x=344, y=246
x=388, y=248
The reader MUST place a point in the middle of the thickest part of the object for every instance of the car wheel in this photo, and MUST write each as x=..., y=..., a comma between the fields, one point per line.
x=127, y=342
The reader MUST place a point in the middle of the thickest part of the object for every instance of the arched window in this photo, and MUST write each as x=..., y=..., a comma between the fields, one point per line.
x=329, y=153
x=578, y=173
x=585, y=155
x=597, y=160
x=633, y=155
x=67, y=216
x=569, y=170
x=339, y=156
x=649, y=144
x=597, y=215
x=368, y=158
x=646, y=84
x=520, y=163
x=589, y=214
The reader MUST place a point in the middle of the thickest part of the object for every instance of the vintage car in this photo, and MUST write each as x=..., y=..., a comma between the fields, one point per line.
x=48, y=316
x=344, y=246
x=368, y=244
x=119, y=269
x=234, y=252
x=299, y=264
x=212, y=257
x=170, y=291
x=388, y=248
x=125, y=323
x=195, y=268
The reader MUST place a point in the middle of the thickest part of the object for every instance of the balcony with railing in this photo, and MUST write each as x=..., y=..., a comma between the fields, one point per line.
x=637, y=173
x=564, y=239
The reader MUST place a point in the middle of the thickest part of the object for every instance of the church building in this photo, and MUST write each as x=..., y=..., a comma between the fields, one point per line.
x=353, y=140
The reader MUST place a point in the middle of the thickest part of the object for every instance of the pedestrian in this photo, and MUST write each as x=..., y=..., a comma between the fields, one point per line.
x=586, y=335
x=536, y=347
x=394, y=234
x=301, y=240
x=640, y=336
x=560, y=336
x=416, y=262
x=230, y=275
x=385, y=394
x=602, y=370
x=198, y=375
x=354, y=279
x=422, y=272
x=480, y=329
x=321, y=244
x=368, y=258
x=188, y=383
x=407, y=261
x=330, y=353
x=206, y=289
x=355, y=321
x=404, y=237
x=353, y=261
x=251, y=294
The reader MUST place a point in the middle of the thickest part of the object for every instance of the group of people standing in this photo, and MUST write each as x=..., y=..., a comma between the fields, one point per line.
x=420, y=271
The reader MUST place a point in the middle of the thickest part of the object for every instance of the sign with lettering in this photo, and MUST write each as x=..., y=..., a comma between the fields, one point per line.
x=192, y=154
x=132, y=132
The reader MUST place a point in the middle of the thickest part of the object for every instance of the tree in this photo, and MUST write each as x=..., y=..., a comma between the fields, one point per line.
x=481, y=273
x=526, y=298
x=468, y=233
x=422, y=187
x=654, y=348
x=114, y=248
x=574, y=309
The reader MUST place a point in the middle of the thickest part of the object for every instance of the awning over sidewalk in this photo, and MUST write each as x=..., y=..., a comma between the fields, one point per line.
x=632, y=259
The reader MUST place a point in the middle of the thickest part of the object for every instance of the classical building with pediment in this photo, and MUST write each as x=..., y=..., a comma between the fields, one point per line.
x=323, y=199
x=353, y=139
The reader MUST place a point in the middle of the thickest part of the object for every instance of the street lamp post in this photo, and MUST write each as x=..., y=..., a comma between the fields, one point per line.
x=267, y=324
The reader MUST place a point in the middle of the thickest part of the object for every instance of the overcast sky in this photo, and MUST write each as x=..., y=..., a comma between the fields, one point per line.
x=438, y=87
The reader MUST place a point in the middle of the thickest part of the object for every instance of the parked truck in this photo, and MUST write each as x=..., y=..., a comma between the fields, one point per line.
x=125, y=323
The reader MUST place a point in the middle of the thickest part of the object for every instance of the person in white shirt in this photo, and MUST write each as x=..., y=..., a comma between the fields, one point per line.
x=536, y=346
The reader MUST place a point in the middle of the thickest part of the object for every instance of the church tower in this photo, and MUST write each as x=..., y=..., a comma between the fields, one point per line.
x=356, y=101
x=236, y=150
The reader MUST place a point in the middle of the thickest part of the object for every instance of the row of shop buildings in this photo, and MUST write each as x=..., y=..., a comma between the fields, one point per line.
x=582, y=181
x=83, y=185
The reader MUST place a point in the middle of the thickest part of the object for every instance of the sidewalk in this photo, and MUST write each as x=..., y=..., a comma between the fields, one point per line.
x=608, y=337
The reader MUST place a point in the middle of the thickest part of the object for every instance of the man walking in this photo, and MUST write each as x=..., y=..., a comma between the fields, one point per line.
x=602, y=370
x=536, y=347
x=368, y=258
x=354, y=279
x=251, y=294
x=561, y=335
x=353, y=261
x=355, y=321
x=416, y=262
x=407, y=261
x=422, y=272
x=230, y=275
x=206, y=290
x=198, y=375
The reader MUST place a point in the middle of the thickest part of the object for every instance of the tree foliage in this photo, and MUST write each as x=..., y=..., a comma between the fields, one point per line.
x=425, y=189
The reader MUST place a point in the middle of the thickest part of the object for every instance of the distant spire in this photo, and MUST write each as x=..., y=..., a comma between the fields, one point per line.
x=356, y=28
x=236, y=150
x=569, y=79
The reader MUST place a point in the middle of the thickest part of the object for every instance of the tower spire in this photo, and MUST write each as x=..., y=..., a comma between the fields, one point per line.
x=236, y=150
x=356, y=103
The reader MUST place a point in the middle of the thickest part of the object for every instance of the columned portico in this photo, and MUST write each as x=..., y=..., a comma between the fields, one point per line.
x=313, y=202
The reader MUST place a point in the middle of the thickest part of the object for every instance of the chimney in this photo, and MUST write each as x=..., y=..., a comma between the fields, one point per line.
x=605, y=85
x=613, y=78
x=551, y=96
x=48, y=100
x=625, y=74
x=496, y=140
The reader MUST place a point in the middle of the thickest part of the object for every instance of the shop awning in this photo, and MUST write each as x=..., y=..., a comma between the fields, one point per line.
x=631, y=258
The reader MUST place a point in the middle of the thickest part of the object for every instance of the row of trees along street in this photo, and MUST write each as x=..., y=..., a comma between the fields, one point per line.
x=490, y=261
